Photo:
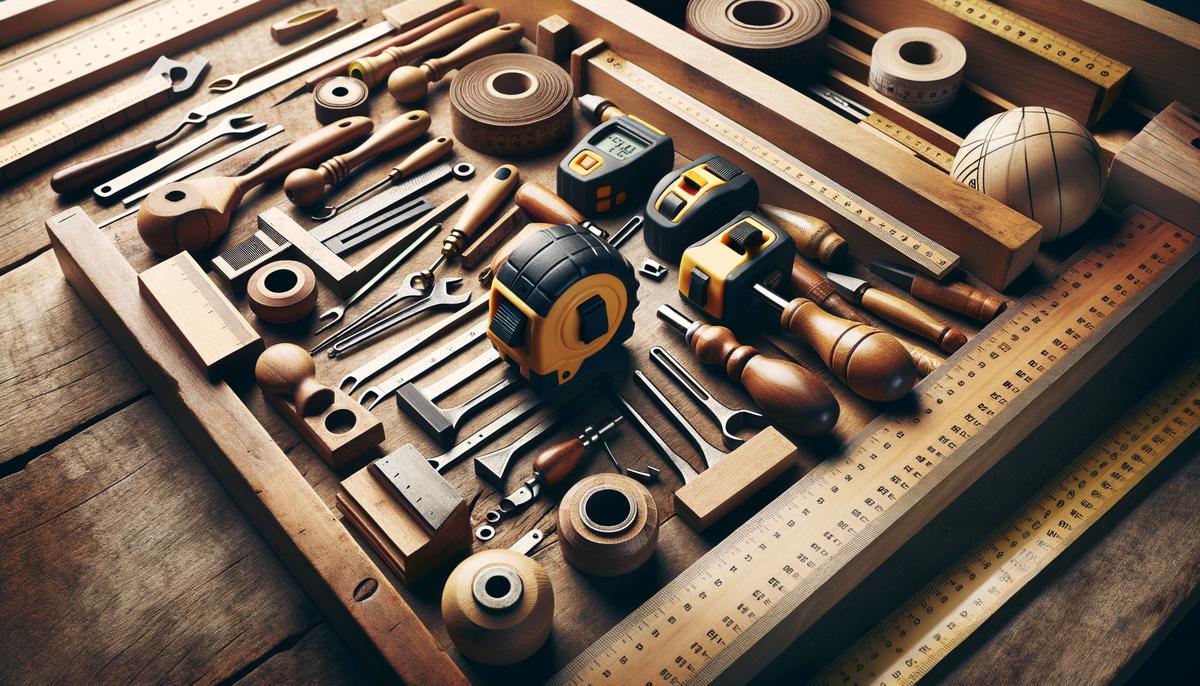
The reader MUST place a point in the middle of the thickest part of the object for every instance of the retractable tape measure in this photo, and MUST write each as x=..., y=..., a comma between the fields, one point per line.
x=688, y=202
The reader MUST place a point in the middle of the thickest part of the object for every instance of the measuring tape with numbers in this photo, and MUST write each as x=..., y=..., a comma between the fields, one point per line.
x=1077, y=58
x=713, y=614
x=86, y=60
x=923, y=148
x=911, y=641
x=923, y=251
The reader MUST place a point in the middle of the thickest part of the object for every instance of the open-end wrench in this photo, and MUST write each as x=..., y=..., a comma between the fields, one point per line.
x=728, y=419
x=233, y=125
x=407, y=291
x=439, y=297
x=681, y=466
x=711, y=453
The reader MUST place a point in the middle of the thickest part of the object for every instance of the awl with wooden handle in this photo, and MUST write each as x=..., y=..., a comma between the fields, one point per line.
x=486, y=199
x=555, y=464
x=956, y=297
x=900, y=312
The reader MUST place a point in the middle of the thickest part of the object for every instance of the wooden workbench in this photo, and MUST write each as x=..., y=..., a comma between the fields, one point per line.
x=124, y=560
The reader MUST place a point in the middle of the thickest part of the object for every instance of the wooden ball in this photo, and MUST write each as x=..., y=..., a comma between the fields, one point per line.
x=282, y=292
x=408, y=84
x=1038, y=161
x=287, y=369
x=498, y=606
x=607, y=525
x=304, y=187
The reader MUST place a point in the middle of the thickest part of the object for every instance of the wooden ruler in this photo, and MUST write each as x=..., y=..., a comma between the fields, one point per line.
x=923, y=148
x=748, y=598
x=912, y=640
x=852, y=211
x=82, y=62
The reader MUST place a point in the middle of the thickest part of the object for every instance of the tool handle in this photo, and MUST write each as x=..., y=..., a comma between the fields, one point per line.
x=90, y=172
x=958, y=297
x=486, y=199
x=499, y=39
x=394, y=133
x=813, y=285
x=923, y=361
x=814, y=237
x=788, y=393
x=376, y=68
x=912, y=318
x=297, y=25
x=872, y=363
x=288, y=370
x=544, y=205
x=555, y=464
x=309, y=150
x=423, y=156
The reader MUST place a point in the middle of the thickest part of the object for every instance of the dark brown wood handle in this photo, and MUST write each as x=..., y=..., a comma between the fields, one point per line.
x=486, y=199
x=309, y=150
x=789, y=394
x=88, y=173
x=424, y=156
x=556, y=463
x=958, y=297
x=544, y=205
x=376, y=68
x=814, y=237
x=872, y=363
x=912, y=318
x=494, y=40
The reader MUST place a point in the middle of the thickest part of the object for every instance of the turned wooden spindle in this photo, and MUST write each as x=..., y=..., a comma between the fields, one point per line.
x=288, y=370
x=900, y=312
x=374, y=69
x=307, y=186
x=789, y=394
x=814, y=238
x=193, y=214
x=409, y=84
x=872, y=363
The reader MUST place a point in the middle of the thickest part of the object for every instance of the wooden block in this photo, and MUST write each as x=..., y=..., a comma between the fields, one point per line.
x=731, y=481
x=1160, y=169
x=553, y=38
x=20, y=19
x=404, y=544
x=339, y=434
x=495, y=234
x=215, y=335
x=412, y=13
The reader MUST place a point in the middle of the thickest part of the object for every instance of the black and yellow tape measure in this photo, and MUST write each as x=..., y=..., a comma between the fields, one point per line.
x=688, y=203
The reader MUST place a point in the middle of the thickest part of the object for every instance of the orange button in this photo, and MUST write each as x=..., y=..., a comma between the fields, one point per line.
x=585, y=162
x=604, y=206
x=621, y=198
x=603, y=191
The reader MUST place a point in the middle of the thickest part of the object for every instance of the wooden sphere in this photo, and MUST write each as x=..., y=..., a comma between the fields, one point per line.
x=187, y=215
x=607, y=525
x=304, y=187
x=408, y=84
x=282, y=292
x=287, y=369
x=521, y=600
x=1038, y=161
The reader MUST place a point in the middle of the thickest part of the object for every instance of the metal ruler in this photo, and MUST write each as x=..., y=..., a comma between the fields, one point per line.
x=84, y=61
x=908, y=243
x=913, y=639
x=714, y=615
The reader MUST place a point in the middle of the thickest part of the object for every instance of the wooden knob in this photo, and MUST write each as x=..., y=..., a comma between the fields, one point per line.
x=282, y=292
x=607, y=525
x=872, y=363
x=544, y=205
x=814, y=238
x=498, y=606
x=288, y=370
x=788, y=393
x=410, y=84
x=375, y=69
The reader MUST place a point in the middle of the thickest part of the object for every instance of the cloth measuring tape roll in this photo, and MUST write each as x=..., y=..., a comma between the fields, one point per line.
x=340, y=96
x=918, y=67
x=774, y=35
x=511, y=104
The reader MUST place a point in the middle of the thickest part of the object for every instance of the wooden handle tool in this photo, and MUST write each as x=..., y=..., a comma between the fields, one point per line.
x=373, y=70
x=88, y=173
x=788, y=393
x=194, y=214
x=872, y=363
x=297, y=25
x=900, y=312
x=487, y=198
x=814, y=238
x=287, y=369
x=544, y=205
x=409, y=84
x=957, y=297
x=306, y=186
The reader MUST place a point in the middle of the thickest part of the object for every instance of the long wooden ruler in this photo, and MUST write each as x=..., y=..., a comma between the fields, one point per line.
x=911, y=641
x=752, y=595
x=853, y=213
x=46, y=76
x=920, y=147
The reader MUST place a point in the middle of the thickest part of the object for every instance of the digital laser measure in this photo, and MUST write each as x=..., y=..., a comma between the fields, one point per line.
x=690, y=201
x=718, y=273
x=617, y=162
x=561, y=299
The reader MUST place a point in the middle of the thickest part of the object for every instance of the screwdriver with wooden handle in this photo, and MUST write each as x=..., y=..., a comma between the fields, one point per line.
x=900, y=312
x=486, y=199
x=375, y=68
x=553, y=465
x=956, y=297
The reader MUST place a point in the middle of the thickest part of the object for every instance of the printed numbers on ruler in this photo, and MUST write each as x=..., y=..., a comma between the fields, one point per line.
x=924, y=149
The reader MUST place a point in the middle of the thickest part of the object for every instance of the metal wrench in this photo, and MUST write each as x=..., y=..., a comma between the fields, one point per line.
x=439, y=296
x=405, y=292
x=728, y=419
x=681, y=466
x=711, y=453
x=233, y=125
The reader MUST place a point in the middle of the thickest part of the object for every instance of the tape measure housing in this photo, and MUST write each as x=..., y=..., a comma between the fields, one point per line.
x=689, y=201
x=614, y=164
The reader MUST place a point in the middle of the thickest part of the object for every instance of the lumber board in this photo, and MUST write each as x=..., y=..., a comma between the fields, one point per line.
x=20, y=19
x=1160, y=168
x=318, y=658
x=301, y=528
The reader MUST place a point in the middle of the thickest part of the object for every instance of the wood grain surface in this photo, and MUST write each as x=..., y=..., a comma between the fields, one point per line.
x=124, y=560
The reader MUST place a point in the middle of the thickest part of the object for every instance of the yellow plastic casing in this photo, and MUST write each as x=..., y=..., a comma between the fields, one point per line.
x=717, y=260
x=699, y=178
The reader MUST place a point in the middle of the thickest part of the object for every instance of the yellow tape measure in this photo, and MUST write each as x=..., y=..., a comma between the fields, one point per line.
x=911, y=641
x=714, y=614
x=922, y=250
x=923, y=148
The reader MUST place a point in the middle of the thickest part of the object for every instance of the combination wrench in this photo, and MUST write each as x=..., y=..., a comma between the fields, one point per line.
x=439, y=297
x=729, y=420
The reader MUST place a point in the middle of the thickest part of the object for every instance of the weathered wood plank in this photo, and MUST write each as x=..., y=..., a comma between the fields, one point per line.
x=319, y=657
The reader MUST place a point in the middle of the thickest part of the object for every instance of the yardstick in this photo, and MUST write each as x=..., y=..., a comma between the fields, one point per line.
x=919, y=146
x=911, y=641
x=743, y=602
x=86, y=60
x=852, y=211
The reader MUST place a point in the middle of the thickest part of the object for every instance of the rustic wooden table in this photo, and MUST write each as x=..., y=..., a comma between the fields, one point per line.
x=124, y=560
